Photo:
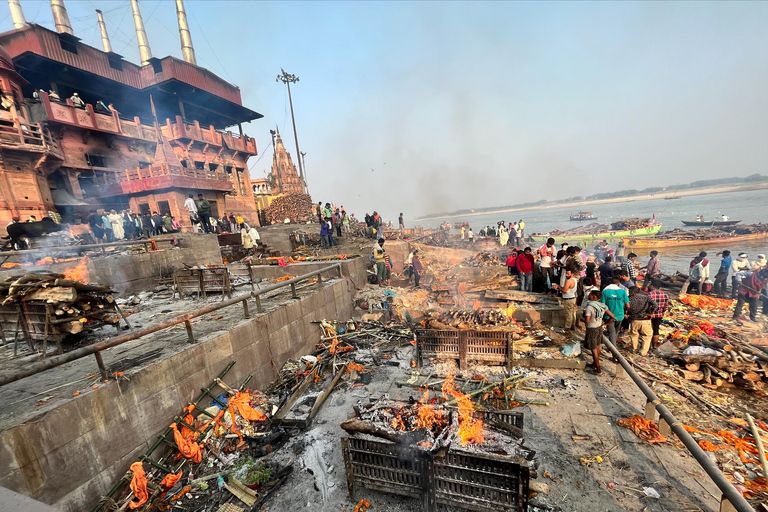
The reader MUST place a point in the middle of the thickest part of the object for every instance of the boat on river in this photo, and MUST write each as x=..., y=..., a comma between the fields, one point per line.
x=582, y=216
x=655, y=243
x=651, y=230
x=710, y=223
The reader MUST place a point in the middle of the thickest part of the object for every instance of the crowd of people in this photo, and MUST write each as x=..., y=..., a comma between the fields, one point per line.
x=111, y=225
x=509, y=234
x=610, y=291
x=334, y=223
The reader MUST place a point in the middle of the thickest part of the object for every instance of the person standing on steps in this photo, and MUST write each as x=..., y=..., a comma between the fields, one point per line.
x=381, y=265
x=569, y=301
x=204, y=212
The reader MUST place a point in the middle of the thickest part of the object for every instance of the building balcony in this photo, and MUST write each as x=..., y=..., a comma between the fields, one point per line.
x=28, y=137
x=151, y=178
x=180, y=130
x=87, y=118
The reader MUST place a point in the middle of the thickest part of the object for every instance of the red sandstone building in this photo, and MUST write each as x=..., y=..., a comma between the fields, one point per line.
x=146, y=136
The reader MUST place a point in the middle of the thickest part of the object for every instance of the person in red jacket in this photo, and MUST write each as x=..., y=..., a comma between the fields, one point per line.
x=525, y=269
x=512, y=262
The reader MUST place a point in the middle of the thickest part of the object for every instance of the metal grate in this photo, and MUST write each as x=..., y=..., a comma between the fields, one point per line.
x=488, y=347
x=438, y=343
x=461, y=479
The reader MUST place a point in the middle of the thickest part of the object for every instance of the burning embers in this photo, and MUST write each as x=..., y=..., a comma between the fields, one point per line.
x=430, y=426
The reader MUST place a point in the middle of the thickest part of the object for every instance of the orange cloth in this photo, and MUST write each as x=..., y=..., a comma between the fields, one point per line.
x=706, y=302
x=138, y=486
x=187, y=447
x=744, y=446
x=170, y=480
x=643, y=428
x=241, y=402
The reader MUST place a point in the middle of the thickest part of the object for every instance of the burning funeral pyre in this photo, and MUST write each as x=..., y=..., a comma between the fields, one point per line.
x=432, y=427
x=43, y=305
x=448, y=453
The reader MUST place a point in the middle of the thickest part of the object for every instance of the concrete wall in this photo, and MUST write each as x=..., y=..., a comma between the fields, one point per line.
x=72, y=455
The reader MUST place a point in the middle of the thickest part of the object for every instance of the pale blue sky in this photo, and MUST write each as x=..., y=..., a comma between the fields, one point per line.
x=458, y=105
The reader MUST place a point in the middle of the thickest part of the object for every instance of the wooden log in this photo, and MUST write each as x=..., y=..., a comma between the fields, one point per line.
x=364, y=427
x=751, y=376
x=53, y=294
x=71, y=327
x=690, y=375
x=692, y=367
x=102, y=288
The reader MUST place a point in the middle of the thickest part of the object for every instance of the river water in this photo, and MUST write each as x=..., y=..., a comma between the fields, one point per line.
x=749, y=207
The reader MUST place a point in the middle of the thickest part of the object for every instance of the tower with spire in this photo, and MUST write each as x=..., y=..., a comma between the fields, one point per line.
x=284, y=171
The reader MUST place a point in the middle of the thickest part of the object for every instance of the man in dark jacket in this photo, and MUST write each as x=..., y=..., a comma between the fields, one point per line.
x=97, y=225
x=606, y=272
x=204, y=212
x=157, y=220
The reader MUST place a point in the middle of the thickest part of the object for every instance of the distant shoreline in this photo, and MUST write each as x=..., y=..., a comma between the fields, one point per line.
x=721, y=189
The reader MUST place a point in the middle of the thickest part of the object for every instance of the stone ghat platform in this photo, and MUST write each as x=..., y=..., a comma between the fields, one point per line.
x=69, y=452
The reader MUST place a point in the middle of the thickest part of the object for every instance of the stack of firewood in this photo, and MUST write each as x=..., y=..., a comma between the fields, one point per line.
x=734, y=365
x=483, y=259
x=468, y=319
x=72, y=303
x=628, y=224
x=297, y=207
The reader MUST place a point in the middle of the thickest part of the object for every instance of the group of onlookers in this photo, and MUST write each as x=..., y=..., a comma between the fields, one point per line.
x=111, y=226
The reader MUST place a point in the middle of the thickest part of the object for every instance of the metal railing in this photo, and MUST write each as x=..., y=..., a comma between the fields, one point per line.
x=668, y=422
x=96, y=348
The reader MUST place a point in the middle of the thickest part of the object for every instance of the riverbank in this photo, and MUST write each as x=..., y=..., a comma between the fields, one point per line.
x=644, y=197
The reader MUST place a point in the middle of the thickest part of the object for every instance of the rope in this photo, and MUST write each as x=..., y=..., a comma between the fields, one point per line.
x=107, y=504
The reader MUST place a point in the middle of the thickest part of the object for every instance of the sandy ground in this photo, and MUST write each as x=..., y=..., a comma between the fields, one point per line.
x=581, y=403
x=644, y=197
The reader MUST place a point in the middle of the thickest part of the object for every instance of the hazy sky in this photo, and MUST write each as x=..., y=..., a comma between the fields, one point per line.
x=435, y=106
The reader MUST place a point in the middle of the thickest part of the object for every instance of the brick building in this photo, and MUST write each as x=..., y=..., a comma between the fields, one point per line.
x=143, y=138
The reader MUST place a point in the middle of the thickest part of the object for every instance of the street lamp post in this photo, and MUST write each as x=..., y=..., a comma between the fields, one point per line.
x=289, y=79
x=304, y=164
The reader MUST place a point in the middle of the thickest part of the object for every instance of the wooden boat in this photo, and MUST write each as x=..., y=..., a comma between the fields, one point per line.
x=582, y=216
x=596, y=237
x=707, y=223
x=460, y=225
x=669, y=198
x=654, y=243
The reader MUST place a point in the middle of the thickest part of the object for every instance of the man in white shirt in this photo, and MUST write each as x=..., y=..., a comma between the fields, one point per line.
x=738, y=267
x=191, y=207
x=255, y=236
x=546, y=252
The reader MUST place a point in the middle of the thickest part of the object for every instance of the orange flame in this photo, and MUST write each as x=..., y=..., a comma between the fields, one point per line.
x=44, y=261
x=397, y=423
x=80, y=272
x=470, y=428
x=428, y=417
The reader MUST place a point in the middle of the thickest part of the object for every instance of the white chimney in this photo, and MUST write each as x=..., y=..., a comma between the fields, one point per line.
x=141, y=35
x=61, y=18
x=103, y=29
x=187, y=50
x=17, y=14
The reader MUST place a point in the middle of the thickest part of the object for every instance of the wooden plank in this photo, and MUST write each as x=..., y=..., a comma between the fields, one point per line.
x=519, y=296
x=575, y=364
x=280, y=414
